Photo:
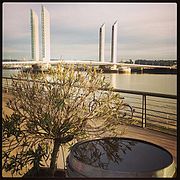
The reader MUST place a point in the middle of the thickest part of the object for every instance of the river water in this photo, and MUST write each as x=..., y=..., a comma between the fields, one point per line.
x=156, y=83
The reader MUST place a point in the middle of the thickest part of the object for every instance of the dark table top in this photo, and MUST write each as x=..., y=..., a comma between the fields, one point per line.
x=122, y=154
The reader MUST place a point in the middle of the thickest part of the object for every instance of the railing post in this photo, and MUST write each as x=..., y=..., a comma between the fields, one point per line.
x=7, y=86
x=143, y=110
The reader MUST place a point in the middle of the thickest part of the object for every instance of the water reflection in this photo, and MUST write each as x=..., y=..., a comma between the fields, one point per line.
x=122, y=154
x=105, y=153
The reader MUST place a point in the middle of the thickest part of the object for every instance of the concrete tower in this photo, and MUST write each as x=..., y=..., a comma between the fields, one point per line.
x=101, y=43
x=114, y=43
x=45, y=22
x=34, y=36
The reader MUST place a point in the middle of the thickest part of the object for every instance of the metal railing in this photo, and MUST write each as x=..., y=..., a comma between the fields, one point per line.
x=152, y=110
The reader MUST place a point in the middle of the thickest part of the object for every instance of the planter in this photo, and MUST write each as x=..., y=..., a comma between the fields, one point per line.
x=44, y=172
x=119, y=158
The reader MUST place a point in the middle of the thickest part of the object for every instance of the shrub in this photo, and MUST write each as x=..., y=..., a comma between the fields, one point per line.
x=54, y=108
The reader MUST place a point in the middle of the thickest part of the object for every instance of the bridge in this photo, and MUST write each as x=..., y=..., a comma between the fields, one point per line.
x=92, y=63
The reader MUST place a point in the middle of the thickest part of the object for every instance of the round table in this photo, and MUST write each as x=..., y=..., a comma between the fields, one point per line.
x=119, y=157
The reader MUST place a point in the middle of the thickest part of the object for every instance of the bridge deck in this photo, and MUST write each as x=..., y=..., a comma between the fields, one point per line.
x=88, y=62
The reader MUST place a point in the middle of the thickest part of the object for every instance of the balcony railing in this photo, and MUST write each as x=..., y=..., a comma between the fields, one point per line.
x=151, y=110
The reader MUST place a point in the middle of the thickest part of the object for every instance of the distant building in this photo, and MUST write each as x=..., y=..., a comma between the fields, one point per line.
x=156, y=62
x=34, y=36
x=45, y=25
x=130, y=61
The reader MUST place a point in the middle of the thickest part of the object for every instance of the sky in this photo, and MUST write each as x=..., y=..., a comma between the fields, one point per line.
x=145, y=30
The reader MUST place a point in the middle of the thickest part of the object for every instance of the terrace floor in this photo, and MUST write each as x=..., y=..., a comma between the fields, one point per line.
x=169, y=142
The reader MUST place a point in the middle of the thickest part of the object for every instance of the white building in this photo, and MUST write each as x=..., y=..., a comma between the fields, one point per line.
x=114, y=43
x=101, y=43
x=45, y=25
x=34, y=36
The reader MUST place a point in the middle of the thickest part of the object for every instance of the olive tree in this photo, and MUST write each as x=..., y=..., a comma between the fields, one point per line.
x=54, y=108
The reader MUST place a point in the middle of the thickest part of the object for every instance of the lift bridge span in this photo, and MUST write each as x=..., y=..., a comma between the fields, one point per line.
x=92, y=63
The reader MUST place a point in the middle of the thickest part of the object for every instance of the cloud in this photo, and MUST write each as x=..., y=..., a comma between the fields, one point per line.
x=144, y=29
